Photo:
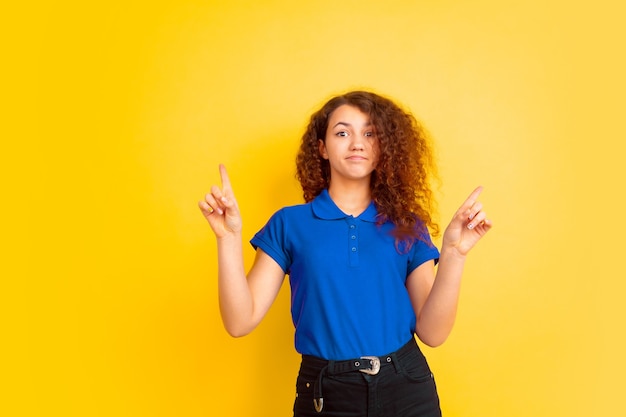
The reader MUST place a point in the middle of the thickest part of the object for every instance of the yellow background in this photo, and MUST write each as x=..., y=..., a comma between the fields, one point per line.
x=118, y=113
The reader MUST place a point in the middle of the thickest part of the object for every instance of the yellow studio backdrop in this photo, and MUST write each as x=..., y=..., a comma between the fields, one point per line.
x=120, y=112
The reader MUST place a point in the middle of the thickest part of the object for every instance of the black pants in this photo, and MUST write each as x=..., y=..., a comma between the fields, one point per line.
x=403, y=387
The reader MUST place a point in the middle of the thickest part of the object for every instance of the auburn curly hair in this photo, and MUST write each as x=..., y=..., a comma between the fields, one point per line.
x=401, y=182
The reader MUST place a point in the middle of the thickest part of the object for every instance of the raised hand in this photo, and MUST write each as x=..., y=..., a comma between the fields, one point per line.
x=220, y=208
x=468, y=225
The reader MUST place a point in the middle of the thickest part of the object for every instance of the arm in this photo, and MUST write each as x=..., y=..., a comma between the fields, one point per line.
x=435, y=298
x=244, y=300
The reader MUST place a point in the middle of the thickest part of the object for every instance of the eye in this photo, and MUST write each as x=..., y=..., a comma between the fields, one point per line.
x=369, y=134
x=342, y=133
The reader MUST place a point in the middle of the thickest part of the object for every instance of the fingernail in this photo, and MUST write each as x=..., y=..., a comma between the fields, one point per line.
x=224, y=200
x=470, y=226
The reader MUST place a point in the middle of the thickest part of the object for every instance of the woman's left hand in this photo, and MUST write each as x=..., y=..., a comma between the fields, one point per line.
x=468, y=226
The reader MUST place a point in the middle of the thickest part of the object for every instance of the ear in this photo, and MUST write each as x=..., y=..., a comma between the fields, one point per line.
x=322, y=149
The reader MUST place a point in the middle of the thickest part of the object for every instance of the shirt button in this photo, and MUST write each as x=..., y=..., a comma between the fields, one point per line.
x=352, y=226
x=353, y=249
x=352, y=237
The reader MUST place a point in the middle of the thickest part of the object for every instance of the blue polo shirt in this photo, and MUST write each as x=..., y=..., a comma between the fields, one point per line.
x=348, y=293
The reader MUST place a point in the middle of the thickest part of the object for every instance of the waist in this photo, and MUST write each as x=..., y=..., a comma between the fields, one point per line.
x=366, y=364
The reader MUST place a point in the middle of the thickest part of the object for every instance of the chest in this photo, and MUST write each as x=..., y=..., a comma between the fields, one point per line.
x=345, y=246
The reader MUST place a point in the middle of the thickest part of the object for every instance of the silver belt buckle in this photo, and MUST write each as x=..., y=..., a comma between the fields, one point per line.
x=375, y=365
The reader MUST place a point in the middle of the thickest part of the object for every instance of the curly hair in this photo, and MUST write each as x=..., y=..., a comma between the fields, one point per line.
x=401, y=182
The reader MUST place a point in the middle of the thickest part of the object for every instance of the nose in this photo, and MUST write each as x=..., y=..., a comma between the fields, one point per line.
x=358, y=142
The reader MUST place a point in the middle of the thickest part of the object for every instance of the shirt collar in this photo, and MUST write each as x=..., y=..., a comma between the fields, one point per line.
x=326, y=209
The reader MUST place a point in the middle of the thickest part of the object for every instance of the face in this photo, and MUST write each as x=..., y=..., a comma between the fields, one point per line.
x=350, y=146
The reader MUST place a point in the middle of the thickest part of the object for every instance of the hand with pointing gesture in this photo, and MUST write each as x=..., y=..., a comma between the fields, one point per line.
x=220, y=208
x=468, y=225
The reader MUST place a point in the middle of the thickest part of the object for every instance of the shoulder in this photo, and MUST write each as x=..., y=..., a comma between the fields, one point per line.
x=294, y=210
x=291, y=214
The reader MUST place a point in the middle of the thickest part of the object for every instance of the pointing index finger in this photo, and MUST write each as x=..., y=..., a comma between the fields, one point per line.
x=473, y=197
x=224, y=177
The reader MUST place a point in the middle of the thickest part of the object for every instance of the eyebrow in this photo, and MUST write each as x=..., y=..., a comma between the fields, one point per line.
x=348, y=124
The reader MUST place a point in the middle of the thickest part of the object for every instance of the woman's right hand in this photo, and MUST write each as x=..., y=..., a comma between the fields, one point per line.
x=220, y=208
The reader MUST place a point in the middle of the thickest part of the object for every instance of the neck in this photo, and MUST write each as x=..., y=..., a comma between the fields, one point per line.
x=352, y=199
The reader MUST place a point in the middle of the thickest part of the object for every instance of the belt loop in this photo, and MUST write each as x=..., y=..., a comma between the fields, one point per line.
x=330, y=367
x=394, y=360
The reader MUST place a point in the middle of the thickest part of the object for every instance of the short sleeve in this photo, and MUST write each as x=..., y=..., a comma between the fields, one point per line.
x=272, y=239
x=422, y=250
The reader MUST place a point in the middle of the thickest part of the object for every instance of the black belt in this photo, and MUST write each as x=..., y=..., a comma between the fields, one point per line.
x=369, y=365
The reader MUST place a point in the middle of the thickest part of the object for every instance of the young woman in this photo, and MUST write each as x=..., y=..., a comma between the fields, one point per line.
x=360, y=261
